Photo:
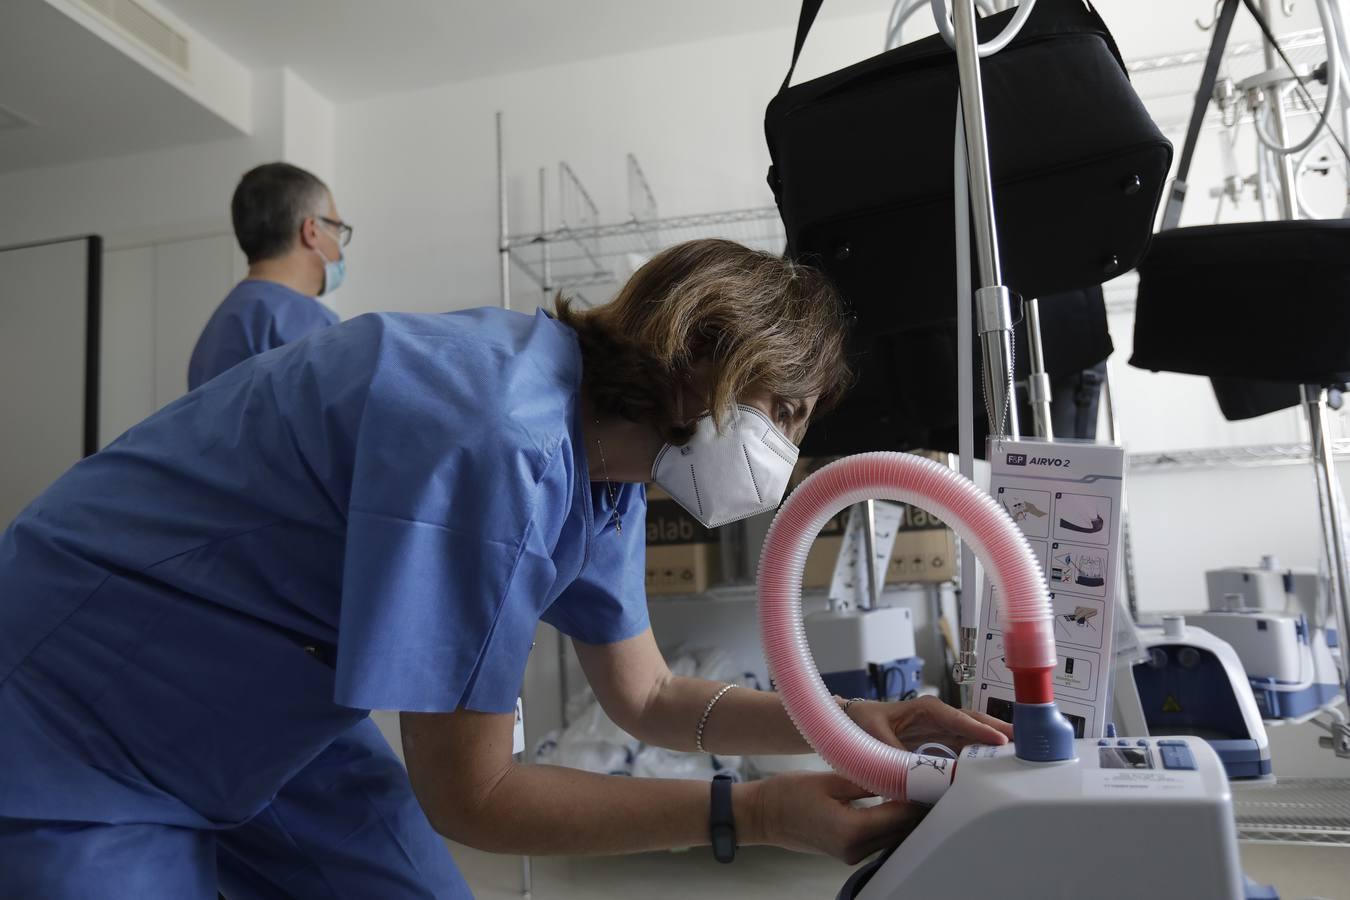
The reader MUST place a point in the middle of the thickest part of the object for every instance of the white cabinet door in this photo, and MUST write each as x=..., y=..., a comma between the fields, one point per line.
x=127, y=359
x=191, y=278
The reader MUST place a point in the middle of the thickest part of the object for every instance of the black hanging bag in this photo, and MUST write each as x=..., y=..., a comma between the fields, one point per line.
x=862, y=174
x=1248, y=300
x=862, y=165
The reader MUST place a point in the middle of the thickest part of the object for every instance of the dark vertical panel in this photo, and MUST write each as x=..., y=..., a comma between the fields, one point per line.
x=93, y=340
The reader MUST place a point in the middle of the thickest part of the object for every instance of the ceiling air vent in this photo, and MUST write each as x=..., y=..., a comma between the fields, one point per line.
x=146, y=28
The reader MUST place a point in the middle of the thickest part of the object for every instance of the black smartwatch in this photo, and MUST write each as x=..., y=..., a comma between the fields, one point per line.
x=721, y=823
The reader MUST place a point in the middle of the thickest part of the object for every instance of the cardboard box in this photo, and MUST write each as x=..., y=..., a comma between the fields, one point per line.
x=683, y=557
x=925, y=548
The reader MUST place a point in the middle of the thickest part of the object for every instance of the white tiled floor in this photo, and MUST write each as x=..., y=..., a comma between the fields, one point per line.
x=762, y=873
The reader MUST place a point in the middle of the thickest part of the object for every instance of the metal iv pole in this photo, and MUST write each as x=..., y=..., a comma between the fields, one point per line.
x=992, y=302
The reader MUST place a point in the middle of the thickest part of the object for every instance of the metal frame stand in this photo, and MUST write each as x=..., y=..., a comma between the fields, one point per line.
x=1330, y=498
x=503, y=248
x=546, y=256
x=1126, y=542
x=1038, y=380
x=1331, y=506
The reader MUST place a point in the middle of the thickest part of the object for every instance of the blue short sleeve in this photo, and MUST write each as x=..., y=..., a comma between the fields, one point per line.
x=607, y=602
x=447, y=557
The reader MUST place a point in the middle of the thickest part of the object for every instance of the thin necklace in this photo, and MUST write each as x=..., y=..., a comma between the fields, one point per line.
x=604, y=471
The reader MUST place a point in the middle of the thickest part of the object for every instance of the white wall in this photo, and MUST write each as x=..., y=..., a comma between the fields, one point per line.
x=182, y=186
x=419, y=169
x=309, y=128
x=170, y=253
x=166, y=191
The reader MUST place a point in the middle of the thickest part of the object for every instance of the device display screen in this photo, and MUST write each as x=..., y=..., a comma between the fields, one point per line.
x=1125, y=758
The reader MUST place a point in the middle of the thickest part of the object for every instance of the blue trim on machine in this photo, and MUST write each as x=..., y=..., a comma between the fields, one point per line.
x=1242, y=758
x=1253, y=891
x=897, y=679
x=1277, y=704
x=1043, y=734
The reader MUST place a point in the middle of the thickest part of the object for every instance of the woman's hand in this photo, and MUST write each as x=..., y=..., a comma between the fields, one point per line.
x=909, y=724
x=812, y=812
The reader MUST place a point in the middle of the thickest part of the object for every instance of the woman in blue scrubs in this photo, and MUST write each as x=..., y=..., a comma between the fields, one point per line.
x=377, y=517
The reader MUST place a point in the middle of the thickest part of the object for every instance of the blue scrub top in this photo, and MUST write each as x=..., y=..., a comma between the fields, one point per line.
x=374, y=517
x=256, y=316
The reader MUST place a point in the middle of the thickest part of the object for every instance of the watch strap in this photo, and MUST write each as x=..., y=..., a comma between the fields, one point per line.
x=721, y=824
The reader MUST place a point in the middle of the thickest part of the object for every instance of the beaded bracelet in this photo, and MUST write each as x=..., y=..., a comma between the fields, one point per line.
x=698, y=737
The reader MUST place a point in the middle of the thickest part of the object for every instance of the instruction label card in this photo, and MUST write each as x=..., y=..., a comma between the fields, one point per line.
x=1066, y=498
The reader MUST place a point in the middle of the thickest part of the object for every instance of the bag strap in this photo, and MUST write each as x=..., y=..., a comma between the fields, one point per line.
x=810, y=8
x=1177, y=198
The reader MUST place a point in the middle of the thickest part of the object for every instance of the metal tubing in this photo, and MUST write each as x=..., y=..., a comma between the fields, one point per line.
x=1315, y=402
x=997, y=355
x=1038, y=381
x=1311, y=398
x=977, y=145
x=968, y=604
x=503, y=249
x=526, y=878
x=869, y=511
x=994, y=315
x=1127, y=545
x=993, y=311
x=1276, y=100
x=968, y=664
x=547, y=286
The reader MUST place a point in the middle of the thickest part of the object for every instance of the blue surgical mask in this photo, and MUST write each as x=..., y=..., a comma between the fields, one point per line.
x=333, y=272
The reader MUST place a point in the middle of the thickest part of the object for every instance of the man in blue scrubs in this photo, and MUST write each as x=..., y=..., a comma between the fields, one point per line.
x=288, y=226
x=196, y=621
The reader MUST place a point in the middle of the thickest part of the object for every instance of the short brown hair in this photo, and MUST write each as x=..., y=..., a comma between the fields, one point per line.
x=756, y=321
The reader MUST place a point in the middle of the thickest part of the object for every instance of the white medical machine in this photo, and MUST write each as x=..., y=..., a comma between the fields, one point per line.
x=866, y=653
x=1277, y=622
x=1190, y=682
x=1129, y=817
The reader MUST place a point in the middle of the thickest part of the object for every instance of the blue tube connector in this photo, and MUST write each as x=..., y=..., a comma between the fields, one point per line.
x=1041, y=734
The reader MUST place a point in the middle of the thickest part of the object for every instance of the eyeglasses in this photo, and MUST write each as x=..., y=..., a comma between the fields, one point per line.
x=343, y=229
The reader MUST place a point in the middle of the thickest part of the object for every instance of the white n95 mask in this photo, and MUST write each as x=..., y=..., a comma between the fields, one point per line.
x=726, y=477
